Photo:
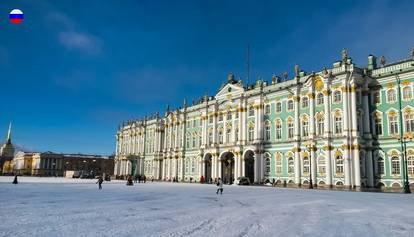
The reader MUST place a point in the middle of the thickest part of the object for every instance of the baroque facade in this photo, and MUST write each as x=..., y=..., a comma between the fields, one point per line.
x=339, y=126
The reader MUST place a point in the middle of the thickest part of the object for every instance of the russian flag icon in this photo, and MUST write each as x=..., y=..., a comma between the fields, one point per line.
x=16, y=16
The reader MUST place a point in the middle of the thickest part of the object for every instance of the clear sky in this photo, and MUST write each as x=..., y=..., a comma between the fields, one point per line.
x=73, y=70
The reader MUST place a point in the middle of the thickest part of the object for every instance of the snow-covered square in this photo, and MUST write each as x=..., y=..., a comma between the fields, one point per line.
x=67, y=207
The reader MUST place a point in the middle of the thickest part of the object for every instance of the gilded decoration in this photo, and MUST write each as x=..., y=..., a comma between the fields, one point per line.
x=390, y=85
x=311, y=95
x=405, y=83
x=326, y=92
x=318, y=83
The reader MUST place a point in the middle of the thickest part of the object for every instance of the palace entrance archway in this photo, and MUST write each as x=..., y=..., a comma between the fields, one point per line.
x=249, y=165
x=207, y=167
x=227, y=167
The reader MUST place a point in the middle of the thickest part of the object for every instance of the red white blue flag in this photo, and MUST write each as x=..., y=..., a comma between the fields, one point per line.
x=16, y=16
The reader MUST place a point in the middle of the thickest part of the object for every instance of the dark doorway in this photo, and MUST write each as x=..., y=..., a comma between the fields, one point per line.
x=227, y=168
x=207, y=168
x=249, y=165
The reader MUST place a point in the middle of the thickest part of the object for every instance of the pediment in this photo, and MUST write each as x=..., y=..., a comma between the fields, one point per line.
x=229, y=91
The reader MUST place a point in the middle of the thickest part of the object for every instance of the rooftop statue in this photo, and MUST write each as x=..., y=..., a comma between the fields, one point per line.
x=382, y=60
x=344, y=56
x=296, y=70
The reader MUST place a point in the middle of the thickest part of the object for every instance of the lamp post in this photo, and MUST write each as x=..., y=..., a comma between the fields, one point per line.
x=403, y=140
x=310, y=149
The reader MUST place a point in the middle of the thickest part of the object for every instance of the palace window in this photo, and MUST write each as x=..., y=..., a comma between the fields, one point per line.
x=407, y=94
x=228, y=117
x=339, y=165
x=278, y=165
x=187, y=165
x=194, y=140
x=236, y=134
x=376, y=97
x=410, y=164
x=305, y=128
x=228, y=135
x=210, y=137
x=380, y=166
x=236, y=114
x=220, y=136
x=199, y=139
x=267, y=109
x=251, y=111
x=291, y=165
x=306, y=164
x=210, y=119
x=338, y=124
x=409, y=122
x=251, y=133
x=278, y=130
x=267, y=128
x=290, y=130
x=321, y=125
x=395, y=165
x=321, y=165
x=337, y=96
x=278, y=107
x=391, y=96
x=194, y=123
x=193, y=165
x=319, y=99
x=267, y=166
x=378, y=125
x=305, y=102
x=220, y=117
x=188, y=140
x=393, y=123
x=290, y=104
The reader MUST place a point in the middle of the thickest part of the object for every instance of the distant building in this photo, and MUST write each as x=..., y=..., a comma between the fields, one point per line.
x=56, y=164
x=6, y=155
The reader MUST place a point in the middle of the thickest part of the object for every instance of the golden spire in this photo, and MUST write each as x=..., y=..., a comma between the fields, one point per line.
x=9, y=135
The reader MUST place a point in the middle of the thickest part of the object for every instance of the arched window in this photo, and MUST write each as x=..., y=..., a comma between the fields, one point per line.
x=290, y=105
x=378, y=124
x=268, y=128
x=194, y=140
x=278, y=164
x=210, y=137
x=305, y=126
x=251, y=111
x=267, y=165
x=290, y=129
x=391, y=96
x=321, y=165
x=267, y=109
x=193, y=164
x=395, y=165
x=337, y=96
x=407, y=95
x=278, y=107
x=278, y=129
x=319, y=99
x=228, y=135
x=393, y=123
x=228, y=117
x=187, y=165
x=339, y=164
x=320, y=124
x=220, y=117
x=380, y=166
x=188, y=140
x=306, y=165
x=305, y=102
x=409, y=121
x=220, y=136
x=251, y=133
x=338, y=123
x=410, y=164
x=291, y=165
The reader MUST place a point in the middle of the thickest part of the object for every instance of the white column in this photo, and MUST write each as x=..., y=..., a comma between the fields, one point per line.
x=236, y=166
x=346, y=128
x=220, y=166
x=328, y=134
x=242, y=166
x=297, y=167
x=357, y=168
x=313, y=166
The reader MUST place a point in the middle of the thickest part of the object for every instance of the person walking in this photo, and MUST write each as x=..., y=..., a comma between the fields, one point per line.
x=15, y=180
x=145, y=179
x=219, y=186
x=100, y=181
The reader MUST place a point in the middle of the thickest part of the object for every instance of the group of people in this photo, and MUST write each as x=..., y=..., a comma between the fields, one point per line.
x=140, y=178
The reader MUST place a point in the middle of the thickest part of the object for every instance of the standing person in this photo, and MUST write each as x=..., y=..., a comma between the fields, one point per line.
x=145, y=179
x=219, y=186
x=100, y=181
x=273, y=182
x=15, y=180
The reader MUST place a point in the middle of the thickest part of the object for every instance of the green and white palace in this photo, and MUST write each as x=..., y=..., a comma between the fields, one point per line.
x=344, y=126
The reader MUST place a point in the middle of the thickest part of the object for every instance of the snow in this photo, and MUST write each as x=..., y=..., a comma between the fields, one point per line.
x=73, y=207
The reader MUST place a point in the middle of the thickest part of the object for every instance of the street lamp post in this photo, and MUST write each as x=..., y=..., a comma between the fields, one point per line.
x=310, y=149
x=403, y=141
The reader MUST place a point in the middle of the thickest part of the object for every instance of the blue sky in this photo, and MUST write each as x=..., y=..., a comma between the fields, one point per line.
x=75, y=69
